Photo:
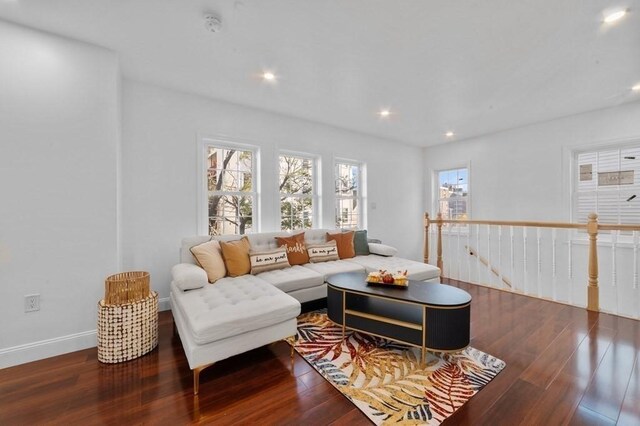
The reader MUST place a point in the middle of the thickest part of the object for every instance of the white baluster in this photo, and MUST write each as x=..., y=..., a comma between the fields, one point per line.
x=501, y=283
x=554, y=275
x=468, y=253
x=635, y=271
x=458, y=252
x=570, y=272
x=539, y=258
x=512, y=259
x=614, y=272
x=524, y=259
x=635, y=263
x=614, y=245
x=489, y=274
x=450, y=259
x=477, y=253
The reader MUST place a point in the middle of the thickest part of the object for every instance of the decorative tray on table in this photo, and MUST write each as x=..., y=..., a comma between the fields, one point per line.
x=383, y=278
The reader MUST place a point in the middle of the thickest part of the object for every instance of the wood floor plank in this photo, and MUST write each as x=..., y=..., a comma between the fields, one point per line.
x=609, y=384
x=564, y=364
x=630, y=412
x=563, y=395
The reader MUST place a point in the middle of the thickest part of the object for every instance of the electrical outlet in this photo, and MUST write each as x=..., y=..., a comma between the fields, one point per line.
x=31, y=302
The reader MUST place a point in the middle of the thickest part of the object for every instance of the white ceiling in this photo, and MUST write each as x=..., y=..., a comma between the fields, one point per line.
x=473, y=66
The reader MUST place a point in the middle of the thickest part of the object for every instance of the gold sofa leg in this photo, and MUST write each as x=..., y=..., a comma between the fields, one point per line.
x=292, y=341
x=196, y=377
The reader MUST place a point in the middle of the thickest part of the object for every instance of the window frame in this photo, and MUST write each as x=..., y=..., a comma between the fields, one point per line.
x=574, y=172
x=361, y=198
x=316, y=198
x=435, y=199
x=204, y=143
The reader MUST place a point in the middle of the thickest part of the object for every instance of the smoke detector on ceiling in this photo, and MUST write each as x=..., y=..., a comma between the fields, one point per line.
x=212, y=22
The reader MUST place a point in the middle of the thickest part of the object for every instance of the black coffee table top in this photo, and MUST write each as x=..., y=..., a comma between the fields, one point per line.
x=418, y=291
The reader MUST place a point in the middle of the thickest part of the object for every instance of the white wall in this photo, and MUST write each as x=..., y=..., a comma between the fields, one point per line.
x=58, y=146
x=160, y=139
x=523, y=173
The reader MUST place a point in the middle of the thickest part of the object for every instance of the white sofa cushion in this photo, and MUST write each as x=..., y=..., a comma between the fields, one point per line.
x=334, y=267
x=294, y=278
x=415, y=270
x=382, y=249
x=187, y=276
x=234, y=306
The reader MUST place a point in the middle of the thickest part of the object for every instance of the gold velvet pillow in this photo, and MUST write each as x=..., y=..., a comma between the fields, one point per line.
x=296, y=250
x=209, y=258
x=236, y=256
x=344, y=242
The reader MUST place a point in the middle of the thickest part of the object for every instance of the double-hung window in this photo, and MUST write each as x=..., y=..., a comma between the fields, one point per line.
x=298, y=191
x=349, y=187
x=452, y=193
x=607, y=182
x=231, y=192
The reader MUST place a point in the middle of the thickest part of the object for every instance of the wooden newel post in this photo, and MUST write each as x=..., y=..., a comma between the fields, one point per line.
x=593, y=292
x=425, y=252
x=439, y=253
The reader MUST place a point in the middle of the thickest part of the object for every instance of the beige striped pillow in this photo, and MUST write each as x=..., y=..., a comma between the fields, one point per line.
x=323, y=252
x=268, y=260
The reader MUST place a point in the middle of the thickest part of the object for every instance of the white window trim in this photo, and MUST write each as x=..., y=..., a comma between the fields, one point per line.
x=435, y=189
x=362, y=185
x=316, y=194
x=435, y=200
x=203, y=143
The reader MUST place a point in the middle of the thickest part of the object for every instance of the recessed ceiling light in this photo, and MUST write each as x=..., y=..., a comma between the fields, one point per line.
x=636, y=88
x=449, y=134
x=269, y=76
x=615, y=16
x=384, y=113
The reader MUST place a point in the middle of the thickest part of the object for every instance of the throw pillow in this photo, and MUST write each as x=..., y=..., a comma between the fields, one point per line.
x=323, y=252
x=187, y=276
x=344, y=241
x=382, y=249
x=268, y=260
x=360, y=243
x=236, y=256
x=296, y=250
x=209, y=258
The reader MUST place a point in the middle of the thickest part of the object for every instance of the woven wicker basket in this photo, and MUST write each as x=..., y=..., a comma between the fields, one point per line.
x=126, y=287
x=127, y=331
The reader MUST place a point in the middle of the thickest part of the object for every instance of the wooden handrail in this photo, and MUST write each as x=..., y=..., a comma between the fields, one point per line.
x=517, y=223
x=611, y=227
x=591, y=227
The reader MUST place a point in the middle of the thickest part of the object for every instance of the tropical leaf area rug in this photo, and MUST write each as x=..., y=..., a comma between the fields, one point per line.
x=385, y=380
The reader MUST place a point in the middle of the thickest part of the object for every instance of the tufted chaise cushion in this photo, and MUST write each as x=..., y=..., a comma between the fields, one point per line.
x=234, y=306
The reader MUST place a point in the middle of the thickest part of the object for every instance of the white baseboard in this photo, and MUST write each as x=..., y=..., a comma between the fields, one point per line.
x=163, y=304
x=47, y=348
x=57, y=346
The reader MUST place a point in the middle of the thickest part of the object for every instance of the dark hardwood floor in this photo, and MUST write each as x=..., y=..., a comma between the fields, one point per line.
x=564, y=366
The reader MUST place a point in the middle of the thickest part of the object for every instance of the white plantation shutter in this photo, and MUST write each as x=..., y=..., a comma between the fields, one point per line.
x=611, y=202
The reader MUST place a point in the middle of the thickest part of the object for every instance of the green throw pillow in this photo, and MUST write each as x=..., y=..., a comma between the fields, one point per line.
x=360, y=243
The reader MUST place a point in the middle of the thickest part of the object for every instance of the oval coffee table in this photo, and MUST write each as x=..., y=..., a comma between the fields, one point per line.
x=430, y=316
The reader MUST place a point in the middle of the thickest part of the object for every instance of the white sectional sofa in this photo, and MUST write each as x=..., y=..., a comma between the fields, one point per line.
x=234, y=315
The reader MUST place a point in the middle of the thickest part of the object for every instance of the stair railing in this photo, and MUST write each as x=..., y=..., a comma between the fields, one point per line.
x=493, y=270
